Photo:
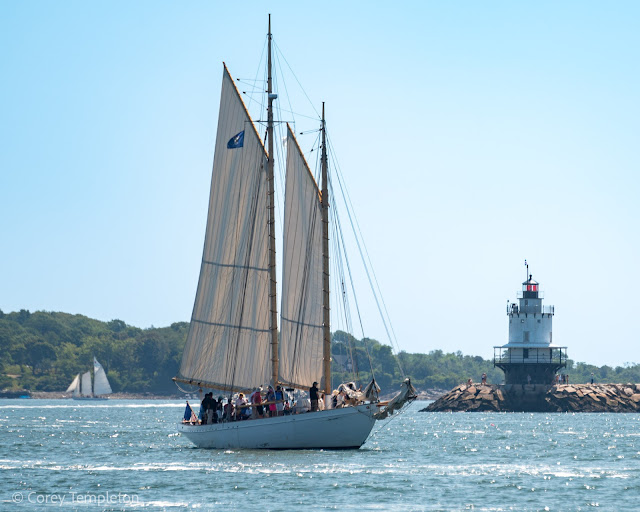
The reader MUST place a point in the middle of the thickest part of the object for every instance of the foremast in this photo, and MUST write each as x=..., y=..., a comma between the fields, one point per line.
x=273, y=321
x=326, y=311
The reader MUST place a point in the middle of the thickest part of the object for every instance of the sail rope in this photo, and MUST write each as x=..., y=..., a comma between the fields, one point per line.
x=385, y=423
x=373, y=283
x=342, y=246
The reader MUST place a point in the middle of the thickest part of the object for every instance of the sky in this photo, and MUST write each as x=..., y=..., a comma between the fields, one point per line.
x=471, y=136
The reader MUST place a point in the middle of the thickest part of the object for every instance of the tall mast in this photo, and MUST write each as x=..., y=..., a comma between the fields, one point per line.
x=326, y=317
x=273, y=324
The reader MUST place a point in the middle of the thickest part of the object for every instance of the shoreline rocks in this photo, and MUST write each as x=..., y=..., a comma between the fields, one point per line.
x=539, y=398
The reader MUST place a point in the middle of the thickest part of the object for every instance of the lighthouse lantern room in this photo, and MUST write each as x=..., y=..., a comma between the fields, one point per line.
x=530, y=357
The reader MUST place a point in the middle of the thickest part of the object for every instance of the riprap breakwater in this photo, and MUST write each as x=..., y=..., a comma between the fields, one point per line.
x=540, y=398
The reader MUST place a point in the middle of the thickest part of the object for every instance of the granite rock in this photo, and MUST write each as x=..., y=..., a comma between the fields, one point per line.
x=540, y=398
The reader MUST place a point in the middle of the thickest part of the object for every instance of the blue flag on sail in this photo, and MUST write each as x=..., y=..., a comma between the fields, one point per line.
x=237, y=141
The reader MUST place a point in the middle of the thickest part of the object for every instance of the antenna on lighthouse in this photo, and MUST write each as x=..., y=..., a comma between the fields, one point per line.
x=526, y=278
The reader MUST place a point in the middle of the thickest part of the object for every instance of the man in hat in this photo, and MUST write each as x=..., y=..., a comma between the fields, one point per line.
x=313, y=396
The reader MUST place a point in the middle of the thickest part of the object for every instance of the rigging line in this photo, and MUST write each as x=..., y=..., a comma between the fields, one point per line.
x=345, y=299
x=375, y=295
x=284, y=83
x=260, y=66
x=338, y=275
x=248, y=83
x=341, y=258
x=385, y=316
x=296, y=78
x=339, y=280
x=346, y=259
x=391, y=417
x=341, y=249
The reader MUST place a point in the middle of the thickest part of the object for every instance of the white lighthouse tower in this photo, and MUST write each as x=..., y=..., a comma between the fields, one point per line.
x=530, y=357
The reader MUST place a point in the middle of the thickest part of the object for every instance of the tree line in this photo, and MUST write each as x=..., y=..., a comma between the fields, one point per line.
x=43, y=351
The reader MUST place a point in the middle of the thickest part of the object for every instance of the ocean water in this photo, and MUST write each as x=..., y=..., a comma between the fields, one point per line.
x=125, y=455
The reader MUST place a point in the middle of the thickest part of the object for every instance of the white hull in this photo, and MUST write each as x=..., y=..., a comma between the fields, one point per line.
x=90, y=398
x=347, y=427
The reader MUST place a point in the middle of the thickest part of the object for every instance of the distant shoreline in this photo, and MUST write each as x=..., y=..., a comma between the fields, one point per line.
x=431, y=394
x=56, y=395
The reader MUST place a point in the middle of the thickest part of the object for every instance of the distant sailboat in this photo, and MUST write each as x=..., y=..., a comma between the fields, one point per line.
x=233, y=343
x=80, y=388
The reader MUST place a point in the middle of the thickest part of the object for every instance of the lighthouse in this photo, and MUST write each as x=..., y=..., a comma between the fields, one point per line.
x=530, y=357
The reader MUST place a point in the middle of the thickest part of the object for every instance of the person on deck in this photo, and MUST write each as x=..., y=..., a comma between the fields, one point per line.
x=271, y=397
x=313, y=396
x=220, y=407
x=241, y=401
x=216, y=408
x=228, y=410
x=279, y=401
x=204, y=408
x=256, y=400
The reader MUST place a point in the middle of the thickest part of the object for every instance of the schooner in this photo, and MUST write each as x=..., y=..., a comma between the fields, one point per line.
x=81, y=388
x=233, y=344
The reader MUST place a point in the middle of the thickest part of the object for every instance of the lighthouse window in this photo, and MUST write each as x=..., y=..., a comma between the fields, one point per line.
x=538, y=321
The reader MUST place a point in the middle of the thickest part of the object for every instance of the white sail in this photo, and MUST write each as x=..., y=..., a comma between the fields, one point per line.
x=101, y=384
x=300, y=350
x=74, y=387
x=85, y=390
x=228, y=345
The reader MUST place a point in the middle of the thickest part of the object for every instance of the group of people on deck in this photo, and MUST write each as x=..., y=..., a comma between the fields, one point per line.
x=275, y=402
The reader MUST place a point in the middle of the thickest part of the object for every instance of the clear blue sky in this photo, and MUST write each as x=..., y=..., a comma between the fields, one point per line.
x=472, y=135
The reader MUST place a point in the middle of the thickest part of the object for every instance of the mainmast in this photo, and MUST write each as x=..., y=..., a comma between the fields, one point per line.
x=326, y=317
x=273, y=324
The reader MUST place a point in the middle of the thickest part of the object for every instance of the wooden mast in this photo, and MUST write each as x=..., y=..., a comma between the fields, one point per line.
x=273, y=324
x=326, y=317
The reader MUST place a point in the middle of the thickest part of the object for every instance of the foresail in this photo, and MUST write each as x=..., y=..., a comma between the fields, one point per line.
x=74, y=387
x=228, y=344
x=101, y=384
x=300, y=349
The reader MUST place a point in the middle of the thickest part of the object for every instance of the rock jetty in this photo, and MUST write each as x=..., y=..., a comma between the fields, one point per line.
x=540, y=398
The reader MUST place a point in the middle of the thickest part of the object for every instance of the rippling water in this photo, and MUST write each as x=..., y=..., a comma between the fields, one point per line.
x=125, y=455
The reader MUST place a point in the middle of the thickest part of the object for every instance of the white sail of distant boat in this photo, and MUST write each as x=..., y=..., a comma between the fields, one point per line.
x=85, y=386
x=81, y=388
x=233, y=343
x=101, y=384
x=74, y=387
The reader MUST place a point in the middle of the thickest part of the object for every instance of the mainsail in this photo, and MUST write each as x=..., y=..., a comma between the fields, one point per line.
x=301, y=342
x=101, y=384
x=86, y=384
x=228, y=344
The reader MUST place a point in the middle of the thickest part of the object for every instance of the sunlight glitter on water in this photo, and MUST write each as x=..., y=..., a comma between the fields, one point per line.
x=418, y=461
